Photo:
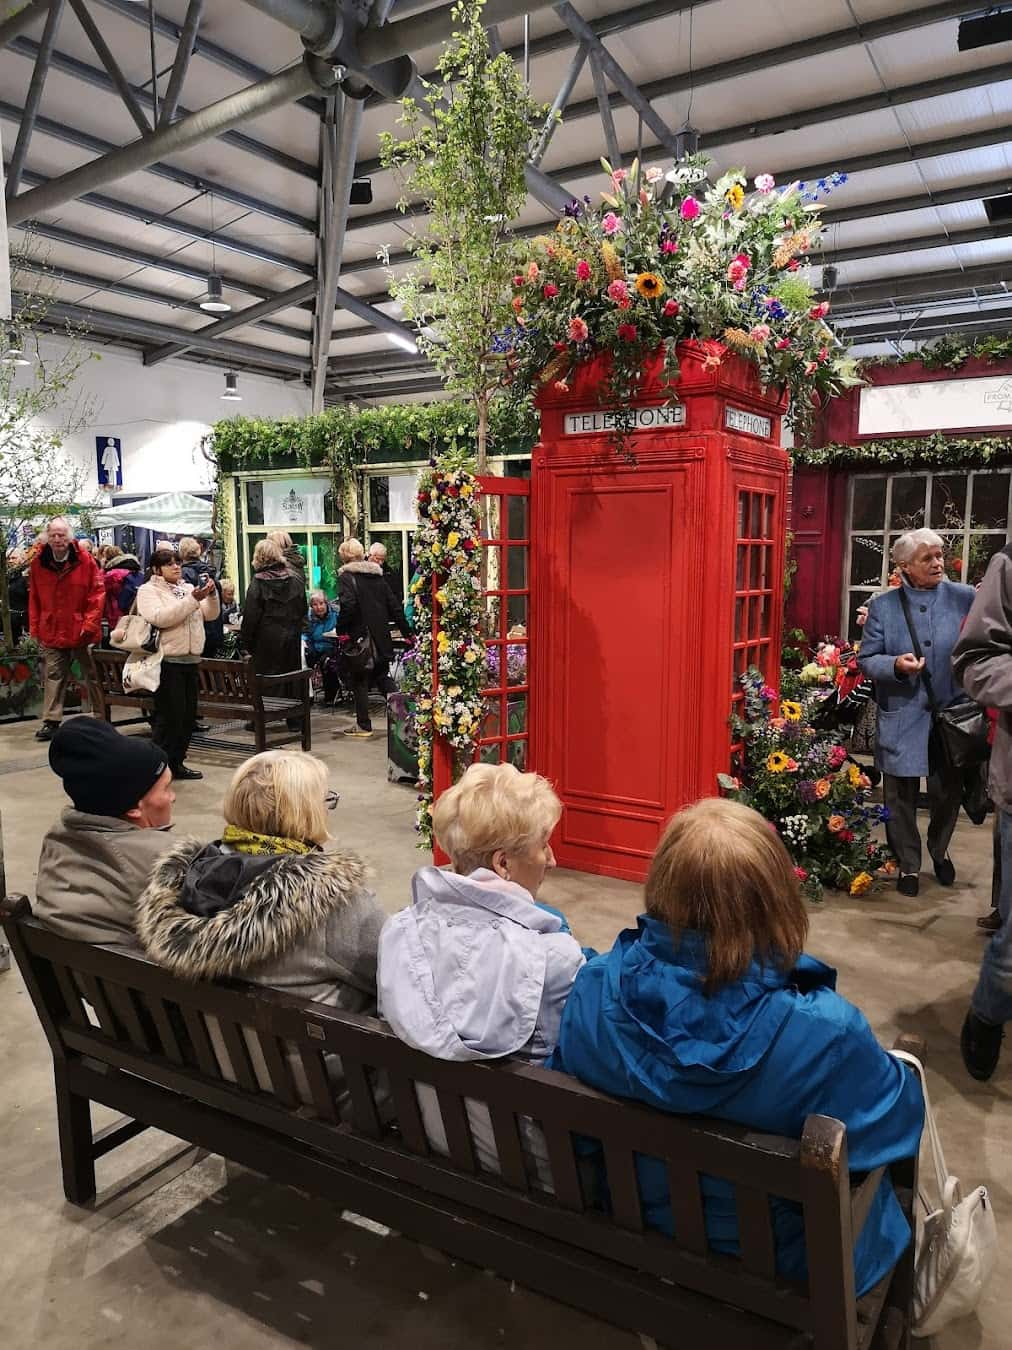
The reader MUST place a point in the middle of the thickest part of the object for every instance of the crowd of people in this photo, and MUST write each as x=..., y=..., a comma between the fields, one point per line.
x=72, y=597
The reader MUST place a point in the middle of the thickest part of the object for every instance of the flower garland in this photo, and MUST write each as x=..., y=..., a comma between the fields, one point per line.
x=640, y=273
x=938, y=448
x=446, y=586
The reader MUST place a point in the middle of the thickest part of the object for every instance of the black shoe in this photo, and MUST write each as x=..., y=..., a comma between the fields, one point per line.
x=944, y=871
x=980, y=1043
x=909, y=883
x=201, y=726
x=47, y=731
x=989, y=923
x=184, y=775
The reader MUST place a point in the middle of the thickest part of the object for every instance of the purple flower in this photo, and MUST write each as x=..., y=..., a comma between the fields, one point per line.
x=806, y=791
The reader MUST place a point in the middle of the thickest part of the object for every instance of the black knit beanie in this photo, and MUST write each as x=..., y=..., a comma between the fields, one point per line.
x=104, y=773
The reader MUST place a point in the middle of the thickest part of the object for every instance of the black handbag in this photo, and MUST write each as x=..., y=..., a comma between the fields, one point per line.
x=359, y=653
x=962, y=728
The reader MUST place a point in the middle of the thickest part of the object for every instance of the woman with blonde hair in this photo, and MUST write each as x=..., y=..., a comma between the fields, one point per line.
x=272, y=613
x=266, y=902
x=475, y=968
x=711, y=1008
x=291, y=554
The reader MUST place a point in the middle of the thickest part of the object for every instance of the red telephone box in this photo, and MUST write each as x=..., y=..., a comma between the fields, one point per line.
x=658, y=580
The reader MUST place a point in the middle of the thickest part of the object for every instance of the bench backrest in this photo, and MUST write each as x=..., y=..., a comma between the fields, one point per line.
x=124, y=1011
x=231, y=683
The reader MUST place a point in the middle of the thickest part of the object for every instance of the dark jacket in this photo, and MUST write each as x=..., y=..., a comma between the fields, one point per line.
x=982, y=662
x=133, y=580
x=367, y=605
x=214, y=629
x=395, y=581
x=766, y=1051
x=272, y=618
x=65, y=601
x=117, y=571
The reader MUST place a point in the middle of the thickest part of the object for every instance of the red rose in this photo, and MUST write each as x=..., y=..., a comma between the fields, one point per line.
x=21, y=672
x=424, y=496
x=671, y=308
x=469, y=545
x=846, y=836
x=627, y=332
x=550, y=291
x=518, y=280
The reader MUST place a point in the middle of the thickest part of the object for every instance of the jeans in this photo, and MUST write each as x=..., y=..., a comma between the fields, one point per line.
x=380, y=677
x=992, y=999
x=175, y=710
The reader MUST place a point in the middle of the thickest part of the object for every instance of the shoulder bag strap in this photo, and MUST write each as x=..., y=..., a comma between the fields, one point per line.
x=925, y=676
x=930, y=1125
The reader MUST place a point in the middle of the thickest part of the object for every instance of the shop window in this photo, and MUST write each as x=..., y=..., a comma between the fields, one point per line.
x=392, y=514
x=969, y=509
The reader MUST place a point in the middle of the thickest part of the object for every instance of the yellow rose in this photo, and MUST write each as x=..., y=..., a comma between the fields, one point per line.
x=861, y=883
x=452, y=539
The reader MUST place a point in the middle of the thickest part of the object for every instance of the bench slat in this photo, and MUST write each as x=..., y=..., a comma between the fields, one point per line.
x=687, y=1207
x=363, y=1103
x=96, y=997
x=278, y=1069
x=238, y=1055
x=408, y=1114
x=565, y=1176
x=623, y=1187
x=125, y=1010
x=508, y=1147
x=319, y=1083
x=457, y=1130
x=71, y=995
x=197, y=1031
x=161, y=1013
x=755, y=1231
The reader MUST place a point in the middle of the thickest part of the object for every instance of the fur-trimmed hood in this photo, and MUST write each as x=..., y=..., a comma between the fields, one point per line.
x=287, y=898
x=364, y=566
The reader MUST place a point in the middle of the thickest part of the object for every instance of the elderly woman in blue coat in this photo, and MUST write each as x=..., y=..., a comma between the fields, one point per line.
x=906, y=751
x=710, y=1008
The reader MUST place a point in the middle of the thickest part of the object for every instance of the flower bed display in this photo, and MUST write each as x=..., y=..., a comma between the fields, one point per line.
x=816, y=799
x=20, y=682
x=643, y=271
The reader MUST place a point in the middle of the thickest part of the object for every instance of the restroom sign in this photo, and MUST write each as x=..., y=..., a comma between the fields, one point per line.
x=109, y=451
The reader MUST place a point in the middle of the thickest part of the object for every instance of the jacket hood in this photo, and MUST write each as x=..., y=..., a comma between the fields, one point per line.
x=204, y=917
x=127, y=561
x=72, y=819
x=462, y=970
x=47, y=560
x=665, y=1030
x=362, y=566
x=276, y=574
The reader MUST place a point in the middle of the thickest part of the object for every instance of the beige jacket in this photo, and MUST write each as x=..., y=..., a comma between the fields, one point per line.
x=91, y=874
x=181, y=621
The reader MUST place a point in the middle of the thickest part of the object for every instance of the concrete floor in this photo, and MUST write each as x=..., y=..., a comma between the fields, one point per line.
x=181, y=1250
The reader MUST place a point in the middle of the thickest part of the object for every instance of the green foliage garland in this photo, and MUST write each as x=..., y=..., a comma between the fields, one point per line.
x=447, y=552
x=952, y=352
x=920, y=451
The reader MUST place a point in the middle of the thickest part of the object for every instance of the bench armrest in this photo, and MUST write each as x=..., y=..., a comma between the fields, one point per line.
x=268, y=681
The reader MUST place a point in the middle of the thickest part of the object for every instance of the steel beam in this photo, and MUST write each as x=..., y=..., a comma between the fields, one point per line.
x=200, y=126
x=241, y=319
x=184, y=51
x=934, y=325
x=32, y=102
x=561, y=99
x=604, y=108
x=429, y=385
x=630, y=91
x=923, y=201
x=916, y=244
x=372, y=362
x=119, y=325
x=172, y=223
x=861, y=295
x=111, y=64
x=18, y=23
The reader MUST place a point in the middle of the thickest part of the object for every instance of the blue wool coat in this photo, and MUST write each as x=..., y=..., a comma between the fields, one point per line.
x=766, y=1052
x=904, y=714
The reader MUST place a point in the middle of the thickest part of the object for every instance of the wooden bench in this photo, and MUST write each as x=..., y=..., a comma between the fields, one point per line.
x=227, y=690
x=213, y=1064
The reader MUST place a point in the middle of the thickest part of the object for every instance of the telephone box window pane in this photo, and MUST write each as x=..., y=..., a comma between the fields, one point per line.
x=516, y=563
x=517, y=610
x=868, y=512
x=767, y=516
x=517, y=755
x=739, y=578
x=757, y=515
x=517, y=517
x=739, y=620
x=742, y=515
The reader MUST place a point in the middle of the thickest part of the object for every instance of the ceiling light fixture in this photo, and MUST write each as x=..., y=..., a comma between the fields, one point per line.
x=231, y=394
x=406, y=344
x=214, y=301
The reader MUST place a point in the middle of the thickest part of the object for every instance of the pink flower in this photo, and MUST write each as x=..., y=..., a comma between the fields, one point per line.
x=760, y=332
x=578, y=330
x=782, y=344
x=627, y=332
x=583, y=270
x=799, y=872
x=618, y=176
x=533, y=271
x=811, y=367
x=671, y=308
x=793, y=265
x=689, y=208
x=518, y=280
x=819, y=311
x=550, y=291
x=823, y=354
x=562, y=386
x=669, y=246
x=611, y=223
x=737, y=271
x=619, y=291
x=765, y=182
x=653, y=173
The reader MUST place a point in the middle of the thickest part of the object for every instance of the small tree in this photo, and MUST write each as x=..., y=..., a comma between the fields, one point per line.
x=464, y=157
x=38, y=409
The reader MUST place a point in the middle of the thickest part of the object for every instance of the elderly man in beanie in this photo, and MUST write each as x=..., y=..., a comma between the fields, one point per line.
x=96, y=859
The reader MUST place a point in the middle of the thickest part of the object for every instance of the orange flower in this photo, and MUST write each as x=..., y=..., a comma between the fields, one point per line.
x=822, y=788
x=836, y=824
x=861, y=883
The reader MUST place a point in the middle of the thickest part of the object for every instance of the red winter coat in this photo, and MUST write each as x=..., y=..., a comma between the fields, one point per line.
x=65, y=604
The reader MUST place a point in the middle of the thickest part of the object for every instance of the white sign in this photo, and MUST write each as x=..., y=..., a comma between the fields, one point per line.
x=737, y=419
x=936, y=405
x=294, y=501
x=644, y=419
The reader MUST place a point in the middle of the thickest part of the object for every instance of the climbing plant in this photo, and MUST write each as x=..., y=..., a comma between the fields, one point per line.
x=952, y=351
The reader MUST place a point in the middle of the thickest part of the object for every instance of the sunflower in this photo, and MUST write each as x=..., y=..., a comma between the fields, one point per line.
x=735, y=197
x=650, y=285
x=791, y=711
x=777, y=762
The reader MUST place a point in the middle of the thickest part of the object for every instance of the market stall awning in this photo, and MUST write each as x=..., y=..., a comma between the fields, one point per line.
x=172, y=512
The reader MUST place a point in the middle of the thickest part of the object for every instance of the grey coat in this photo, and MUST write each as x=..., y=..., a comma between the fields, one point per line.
x=983, y=663
x=904, y=713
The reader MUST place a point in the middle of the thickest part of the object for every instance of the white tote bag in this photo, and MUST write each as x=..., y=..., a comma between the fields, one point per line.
x=956, y=1243
x=142, y=672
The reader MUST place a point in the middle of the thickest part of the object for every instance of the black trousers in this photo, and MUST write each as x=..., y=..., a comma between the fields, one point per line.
x=378, y=676
x=945, y=793
x=175, y=710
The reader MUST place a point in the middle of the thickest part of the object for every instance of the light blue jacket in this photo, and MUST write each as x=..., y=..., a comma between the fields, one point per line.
x=766, y=1051
x=904, y=714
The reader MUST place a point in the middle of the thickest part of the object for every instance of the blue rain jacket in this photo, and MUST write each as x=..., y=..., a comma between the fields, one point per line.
x=765, y=1052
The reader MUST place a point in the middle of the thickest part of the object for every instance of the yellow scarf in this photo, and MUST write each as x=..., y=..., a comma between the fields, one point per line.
x=262, y=845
